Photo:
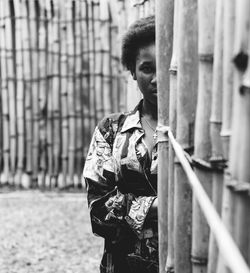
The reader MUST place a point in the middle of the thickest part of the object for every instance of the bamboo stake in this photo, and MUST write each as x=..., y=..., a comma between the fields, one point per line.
x=202, y=152
x=216, y=159
x=91, y=47
x=228, y=208
x=240, y=174
x=49, y=127
x=55, y=94
x=186, y=102
x=85, y=75
x=62, y=178
x=4, y=97
x=172, y=124
x=71, y=91
x=43, y=61
x=19, y=96
x=79, y=97
x=11, y=72
x=164, y=35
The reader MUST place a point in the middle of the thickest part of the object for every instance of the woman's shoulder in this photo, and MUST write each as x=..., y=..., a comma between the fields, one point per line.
x=111, y=124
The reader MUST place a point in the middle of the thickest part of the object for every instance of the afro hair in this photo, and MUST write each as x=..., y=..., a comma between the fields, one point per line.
x=139, y=34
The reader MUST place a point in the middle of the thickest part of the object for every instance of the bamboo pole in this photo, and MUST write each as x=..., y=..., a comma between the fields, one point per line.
x=43, y=60
x=186, y=103
x=55, y=94
x=63, y=177
x=91, y=47
x=11, y=75
x=71, y=91
x=164, y=36
x=228, y=207
x=240, y=174
x=49, y=124
x=4, y=97
x=79, y=97
x=202, y=151
x=216, y=160
x=172, y=123
x=85, y=76
x=19, y=96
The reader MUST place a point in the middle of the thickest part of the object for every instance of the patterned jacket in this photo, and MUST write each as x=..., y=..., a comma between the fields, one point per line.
x=121, y=182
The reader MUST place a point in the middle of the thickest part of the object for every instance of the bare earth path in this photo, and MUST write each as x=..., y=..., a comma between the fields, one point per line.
x=47, y=232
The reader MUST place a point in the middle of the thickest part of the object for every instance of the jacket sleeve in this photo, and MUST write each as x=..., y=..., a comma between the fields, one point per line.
x=110, y=210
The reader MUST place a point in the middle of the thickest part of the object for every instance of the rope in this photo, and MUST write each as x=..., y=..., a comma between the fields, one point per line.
x=226, y=245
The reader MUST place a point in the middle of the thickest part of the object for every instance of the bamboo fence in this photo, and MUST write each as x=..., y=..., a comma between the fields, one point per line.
x=60, y=73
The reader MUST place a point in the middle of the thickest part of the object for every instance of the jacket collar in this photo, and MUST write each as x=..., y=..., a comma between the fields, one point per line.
x=133, y=120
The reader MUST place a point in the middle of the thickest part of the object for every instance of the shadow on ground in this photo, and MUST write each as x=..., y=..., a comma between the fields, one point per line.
x=47, y=232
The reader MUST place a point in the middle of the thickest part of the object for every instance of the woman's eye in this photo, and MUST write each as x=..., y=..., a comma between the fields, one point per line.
x=147, y=69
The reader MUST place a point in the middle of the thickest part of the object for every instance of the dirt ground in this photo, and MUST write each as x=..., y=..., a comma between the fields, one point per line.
x=47, y=232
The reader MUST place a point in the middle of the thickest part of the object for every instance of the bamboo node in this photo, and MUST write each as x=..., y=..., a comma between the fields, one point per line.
x=206, y=58
x=238, y=186
x=201, y=164
x=218, y=163
x=199, y=260
x=162, y=133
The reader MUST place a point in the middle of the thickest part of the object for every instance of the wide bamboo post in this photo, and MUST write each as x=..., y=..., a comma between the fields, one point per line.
x=186, y=103
x=172, y=123
x=202, y=151
x=239, y=146
x=4, y=96
x=228, y=208
x=19, y=95
x=11, y=72
x=217, y=160
x=164, y=37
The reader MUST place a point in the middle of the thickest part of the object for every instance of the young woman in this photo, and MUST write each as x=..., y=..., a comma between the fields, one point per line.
x=121, y=167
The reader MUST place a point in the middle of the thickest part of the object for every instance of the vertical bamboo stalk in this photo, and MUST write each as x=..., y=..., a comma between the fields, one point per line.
x=20, y=96
x=164, y=36
x=228, y=207
x=50, y=78
x=62, y=179
x=79, y=96
x=217, y=160
x=11, y=72
x=172, y=124
x=91, y=48
x=55, y=94
x=43, y=60
x=202, y=151
x=239, y=145
x=108, y=53
x=4, y=96
x=85, y=75
x=35, y=21
x=186, y=103
x=71, y=90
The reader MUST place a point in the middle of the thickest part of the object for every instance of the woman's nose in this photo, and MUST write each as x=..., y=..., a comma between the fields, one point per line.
x=154, y=80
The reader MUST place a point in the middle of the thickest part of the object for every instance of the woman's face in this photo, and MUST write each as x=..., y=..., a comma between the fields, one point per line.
x=145, y=73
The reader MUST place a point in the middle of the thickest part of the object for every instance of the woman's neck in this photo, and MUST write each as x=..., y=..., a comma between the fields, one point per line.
x=149, y=110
